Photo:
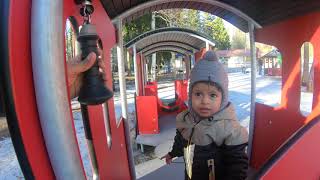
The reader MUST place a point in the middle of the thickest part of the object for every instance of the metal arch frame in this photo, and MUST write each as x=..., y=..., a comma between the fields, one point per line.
x=166, y=46
x=172, y=49
x=53, y=106
x=149, y=4
x=183, y=44
x=166, y=50
x=161, y=31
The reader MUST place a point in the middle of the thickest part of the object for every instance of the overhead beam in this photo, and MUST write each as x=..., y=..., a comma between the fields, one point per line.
x=166, y=49
x=170, y=30
x=149, y=4
x=167, y=46
x=178, y=43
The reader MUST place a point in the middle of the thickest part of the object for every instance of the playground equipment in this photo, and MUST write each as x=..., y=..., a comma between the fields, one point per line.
x=38, y=112
x=187, y=42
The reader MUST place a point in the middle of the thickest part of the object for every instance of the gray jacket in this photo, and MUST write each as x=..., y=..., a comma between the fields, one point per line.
x=220, y=138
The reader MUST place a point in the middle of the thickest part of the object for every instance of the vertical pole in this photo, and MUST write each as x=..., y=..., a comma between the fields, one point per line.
x=146, y=69
x=123, y=97
x=193, y=60
x=143, y=72
x=154, y=55
x=253, y=86
x=207, y=46
x=153, y=67
x=187, y=60
x=136, y=77
x=87, y=130
x=121, y=71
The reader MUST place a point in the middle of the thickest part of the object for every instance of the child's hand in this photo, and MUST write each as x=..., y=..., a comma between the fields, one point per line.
x=168, y=158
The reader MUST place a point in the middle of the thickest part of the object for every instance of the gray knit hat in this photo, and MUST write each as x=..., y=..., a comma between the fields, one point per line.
x=210, y=69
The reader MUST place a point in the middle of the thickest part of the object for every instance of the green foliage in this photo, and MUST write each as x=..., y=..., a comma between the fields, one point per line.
x=207, y=23
x=140, y=26
x=163, y=58
x=70, y=39
x=192, y=19
x=238, y=40
x=198, y=21
x=219, y=33
x=137, y=27
x=184, y=18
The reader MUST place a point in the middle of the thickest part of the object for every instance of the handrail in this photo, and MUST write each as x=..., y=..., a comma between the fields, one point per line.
x=51, y=90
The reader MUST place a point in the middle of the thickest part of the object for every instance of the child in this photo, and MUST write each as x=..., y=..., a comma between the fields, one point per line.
x=209, y=135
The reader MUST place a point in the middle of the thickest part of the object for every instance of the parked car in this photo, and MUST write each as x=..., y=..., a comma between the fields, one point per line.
x=247, y=70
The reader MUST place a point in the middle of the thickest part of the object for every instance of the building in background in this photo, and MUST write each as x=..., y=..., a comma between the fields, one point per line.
x=236, y=60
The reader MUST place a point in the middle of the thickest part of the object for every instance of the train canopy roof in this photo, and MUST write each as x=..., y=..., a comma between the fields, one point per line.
x=184, y=41
x=237, y=12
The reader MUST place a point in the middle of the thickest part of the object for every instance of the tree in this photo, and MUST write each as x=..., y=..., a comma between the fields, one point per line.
x=220, y=34
x=142, y=25
x=163, y=58
x=206, y=23
x=136, y=27
x=184, y=18
x=214, y=27
x=238, y=40
x=198, y=21
x=132, y=30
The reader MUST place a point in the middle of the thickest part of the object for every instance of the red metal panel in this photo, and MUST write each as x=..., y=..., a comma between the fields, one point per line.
x=181, y=89
x=273, y=126
x=177, y=87
x=151, y=89
x=147, y=113
x=23, y=88
x=112, y=163
x=315, y=40
x=288, y=36
x=300, y=161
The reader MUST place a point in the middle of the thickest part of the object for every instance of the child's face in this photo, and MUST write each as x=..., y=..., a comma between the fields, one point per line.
x=206, y=99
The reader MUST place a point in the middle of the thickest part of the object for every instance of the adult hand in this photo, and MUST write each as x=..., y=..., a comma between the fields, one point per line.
x=76, y=68
x=168, y=158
